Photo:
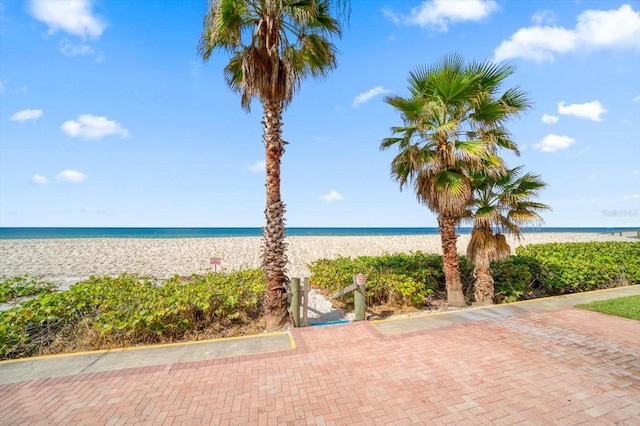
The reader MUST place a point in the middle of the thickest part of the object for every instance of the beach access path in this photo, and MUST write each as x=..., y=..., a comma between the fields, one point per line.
x=535, y=362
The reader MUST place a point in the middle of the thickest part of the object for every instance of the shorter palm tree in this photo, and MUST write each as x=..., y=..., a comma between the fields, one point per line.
x=500, y=204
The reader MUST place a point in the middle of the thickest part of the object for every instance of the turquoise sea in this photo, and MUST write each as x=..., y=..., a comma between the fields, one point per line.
x=46, y=233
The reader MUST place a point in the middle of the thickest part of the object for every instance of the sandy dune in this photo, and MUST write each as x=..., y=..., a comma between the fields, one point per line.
x=66, y=261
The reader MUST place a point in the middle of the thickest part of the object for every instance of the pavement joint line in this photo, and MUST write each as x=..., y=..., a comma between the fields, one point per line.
x=84, y=370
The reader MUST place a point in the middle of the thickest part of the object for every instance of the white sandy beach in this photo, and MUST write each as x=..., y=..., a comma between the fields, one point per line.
x=66, y=261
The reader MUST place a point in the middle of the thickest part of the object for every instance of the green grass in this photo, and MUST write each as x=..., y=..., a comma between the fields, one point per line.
x=626, y=307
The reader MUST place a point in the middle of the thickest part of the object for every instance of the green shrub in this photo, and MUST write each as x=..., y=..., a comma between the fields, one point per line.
x=130, y=309
x=576, y=267
x=405, y=279
x=512, y=278
x=16, y=287
x=536, y=270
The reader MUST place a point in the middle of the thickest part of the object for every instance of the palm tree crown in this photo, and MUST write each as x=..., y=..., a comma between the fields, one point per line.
x=274, y=44
x=505, y=202
x=453, y=125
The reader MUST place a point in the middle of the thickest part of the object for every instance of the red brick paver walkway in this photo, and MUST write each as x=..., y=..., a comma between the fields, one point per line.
x=565, y=366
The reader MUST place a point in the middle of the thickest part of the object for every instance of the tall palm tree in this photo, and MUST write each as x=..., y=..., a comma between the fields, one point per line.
x=274, y=45
x=453, y=125
x=500, y=204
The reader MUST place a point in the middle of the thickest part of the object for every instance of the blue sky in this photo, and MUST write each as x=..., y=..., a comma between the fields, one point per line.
x=108, y=117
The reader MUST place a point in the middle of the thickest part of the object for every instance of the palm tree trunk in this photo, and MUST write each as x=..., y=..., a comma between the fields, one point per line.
x=450, y=264
x=483, y=288
x=274, y=258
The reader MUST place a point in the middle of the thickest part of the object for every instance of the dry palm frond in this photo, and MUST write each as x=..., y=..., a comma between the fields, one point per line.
x=503, y=250
x=482, y=247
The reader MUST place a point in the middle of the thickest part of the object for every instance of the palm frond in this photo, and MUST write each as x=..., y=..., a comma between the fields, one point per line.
x=511, y=194
x=277, y=43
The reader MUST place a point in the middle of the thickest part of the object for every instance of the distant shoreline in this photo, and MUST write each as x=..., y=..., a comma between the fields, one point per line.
x=7, y=233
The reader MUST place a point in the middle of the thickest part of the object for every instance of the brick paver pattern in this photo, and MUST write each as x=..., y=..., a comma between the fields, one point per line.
x=564, y=367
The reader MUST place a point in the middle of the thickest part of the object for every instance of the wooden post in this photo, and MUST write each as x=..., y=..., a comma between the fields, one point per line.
x=358, y=297
x=305, y=322
x=295, y=301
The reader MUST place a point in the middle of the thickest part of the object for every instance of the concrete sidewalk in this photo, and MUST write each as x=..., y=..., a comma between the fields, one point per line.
x=146, y=356
x=443, y=319
x=534, y=362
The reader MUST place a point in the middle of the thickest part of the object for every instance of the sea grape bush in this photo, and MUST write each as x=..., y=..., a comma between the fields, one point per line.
x=405, y=279
x=515, y=277
x=576, y=267
x=536, y=270
x=12, y=288
x=106, y=311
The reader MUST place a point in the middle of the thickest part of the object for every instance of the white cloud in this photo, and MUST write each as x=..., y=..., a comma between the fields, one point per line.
x=39, y=180
x=613, y=28
x=72, y=16
x=550, y=119
x=636, y=99
x=69, y=49
x=631, y=197
x=72, y=176
x=393, y=16
x=552, y=143
x=366, y=96
x=257, y=167
x=439, y=14
x=332, y=196
x=590, y=110
x=91, y=127
x=536, y=43
x=26, y=115
x=595, y=29
x=544, y=17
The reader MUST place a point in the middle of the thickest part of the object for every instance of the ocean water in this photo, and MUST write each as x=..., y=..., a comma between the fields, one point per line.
x=46, y=233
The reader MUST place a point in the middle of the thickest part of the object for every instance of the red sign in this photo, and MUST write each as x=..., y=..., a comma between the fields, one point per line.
x=215, y=260
x=361, y=279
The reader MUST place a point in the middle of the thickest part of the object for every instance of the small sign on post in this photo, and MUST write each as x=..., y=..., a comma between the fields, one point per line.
x=215, y=261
